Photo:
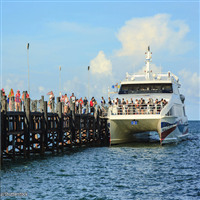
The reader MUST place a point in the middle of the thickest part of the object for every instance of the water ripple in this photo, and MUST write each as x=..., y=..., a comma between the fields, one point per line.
x=131, y=171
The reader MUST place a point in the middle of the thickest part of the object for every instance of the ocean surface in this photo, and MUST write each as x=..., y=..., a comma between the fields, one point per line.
x=130, y=171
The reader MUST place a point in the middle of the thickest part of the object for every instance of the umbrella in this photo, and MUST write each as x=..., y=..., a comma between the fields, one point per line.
x=49, y=93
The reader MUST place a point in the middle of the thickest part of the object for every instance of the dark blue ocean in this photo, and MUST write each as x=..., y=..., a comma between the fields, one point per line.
x=130, y=171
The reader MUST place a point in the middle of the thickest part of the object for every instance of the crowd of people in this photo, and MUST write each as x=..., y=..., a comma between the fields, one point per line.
x=17, y=98
x=121, y=106
x=82, y=104
x=67, y=101
x=139, y=106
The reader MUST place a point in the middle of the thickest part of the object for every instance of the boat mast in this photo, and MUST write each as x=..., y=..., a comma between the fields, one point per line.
x=148, y=57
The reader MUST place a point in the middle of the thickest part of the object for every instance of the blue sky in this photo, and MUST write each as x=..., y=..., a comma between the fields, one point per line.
x=111, y=37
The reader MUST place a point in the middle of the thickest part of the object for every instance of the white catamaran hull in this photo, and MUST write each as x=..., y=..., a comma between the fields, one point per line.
x=134, y=128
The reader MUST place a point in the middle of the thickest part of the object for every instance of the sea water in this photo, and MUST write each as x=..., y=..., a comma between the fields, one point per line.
x=129, y=171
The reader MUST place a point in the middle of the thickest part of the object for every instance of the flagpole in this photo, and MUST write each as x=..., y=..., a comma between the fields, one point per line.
x=88, y=82
x=28, y=69
x=60, y=81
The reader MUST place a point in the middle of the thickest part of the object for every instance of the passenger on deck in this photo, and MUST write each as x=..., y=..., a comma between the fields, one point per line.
x=103, y=102
x=158, y=107
x=141, y=107
x=137, y=107
x=155, y=105
x=131, y=101
x=109, y=101
x=126, y=106
x=151, y=106
x=165, y=102
x=144, y=106
x=123, y=107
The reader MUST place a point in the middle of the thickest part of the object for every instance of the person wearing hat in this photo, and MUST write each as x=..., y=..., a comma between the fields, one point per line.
x=17, y=100
x=3, y=92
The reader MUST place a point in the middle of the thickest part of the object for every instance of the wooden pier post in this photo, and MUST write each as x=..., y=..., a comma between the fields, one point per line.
x=98, y=126
x=27, y=126
x=42, y=104
x=20, y=105
x=53, y=107
x=79, y=108
x=35, y=105
x=13, y=103
x=62, y=106
x=87, y=108
x=88, y=127
x=72, y=108
x=94, y=127
x=52, y=133
x=45, y=124
x=44, y=129
x=3, y=127
x=60, y=125
x=1, y=93
x=80, y=134
x=59, y=109
x=24, y=103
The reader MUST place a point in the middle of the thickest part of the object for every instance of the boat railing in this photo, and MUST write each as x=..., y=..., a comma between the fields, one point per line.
x=141, y=109
x=158, y=75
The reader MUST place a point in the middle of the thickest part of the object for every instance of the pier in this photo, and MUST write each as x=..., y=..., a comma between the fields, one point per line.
x=31, y=131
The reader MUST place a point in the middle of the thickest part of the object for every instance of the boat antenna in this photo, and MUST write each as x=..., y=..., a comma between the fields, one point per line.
x=148, y=57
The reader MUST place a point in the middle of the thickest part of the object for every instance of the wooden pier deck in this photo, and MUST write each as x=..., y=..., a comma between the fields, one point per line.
x=30, y=131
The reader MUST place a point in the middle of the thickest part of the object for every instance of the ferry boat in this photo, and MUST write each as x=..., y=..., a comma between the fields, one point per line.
x=152, y=103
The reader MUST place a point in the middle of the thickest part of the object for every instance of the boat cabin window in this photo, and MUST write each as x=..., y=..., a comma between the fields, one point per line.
x=145, y=88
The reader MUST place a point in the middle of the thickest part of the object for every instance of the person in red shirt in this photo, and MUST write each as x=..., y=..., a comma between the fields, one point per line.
x=92, y=105
x=81, y=101
x=27, y=96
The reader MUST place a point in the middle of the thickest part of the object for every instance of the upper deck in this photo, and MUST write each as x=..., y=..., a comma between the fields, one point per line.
x=153, y=83
x=165, y=77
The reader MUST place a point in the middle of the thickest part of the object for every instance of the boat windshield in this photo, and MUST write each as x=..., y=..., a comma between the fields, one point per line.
x=145, y=88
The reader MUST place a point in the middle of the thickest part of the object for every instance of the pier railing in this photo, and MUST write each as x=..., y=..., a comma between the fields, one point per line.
x=37, y=106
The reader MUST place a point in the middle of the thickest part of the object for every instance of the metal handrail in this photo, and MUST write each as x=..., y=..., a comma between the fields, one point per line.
x=136, y=109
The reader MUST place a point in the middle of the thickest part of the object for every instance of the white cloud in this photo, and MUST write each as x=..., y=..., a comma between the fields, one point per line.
x=15, y=82
x=41, y=89
x=101, y=65
x=190, y=83
x=75, y=86
x=158, y=31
